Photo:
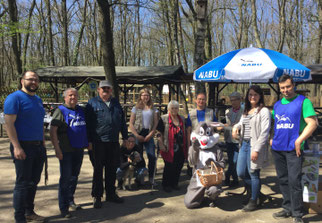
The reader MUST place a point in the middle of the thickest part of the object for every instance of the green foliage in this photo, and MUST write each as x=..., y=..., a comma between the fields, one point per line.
x=8, y=29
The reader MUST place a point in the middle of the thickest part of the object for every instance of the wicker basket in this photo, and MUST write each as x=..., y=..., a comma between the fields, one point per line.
x=212, y=176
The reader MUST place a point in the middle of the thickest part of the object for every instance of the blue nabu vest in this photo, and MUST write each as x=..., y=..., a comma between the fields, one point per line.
x=287, y=124
x=76, y=130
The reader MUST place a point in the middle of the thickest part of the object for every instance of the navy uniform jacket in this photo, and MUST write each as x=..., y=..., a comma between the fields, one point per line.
x=104, y=123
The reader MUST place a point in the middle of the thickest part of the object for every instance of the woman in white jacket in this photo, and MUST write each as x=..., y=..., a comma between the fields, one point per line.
x=254, y=127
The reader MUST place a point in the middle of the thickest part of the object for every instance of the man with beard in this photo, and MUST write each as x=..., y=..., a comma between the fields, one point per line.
x=24, y=117
x=105, y=120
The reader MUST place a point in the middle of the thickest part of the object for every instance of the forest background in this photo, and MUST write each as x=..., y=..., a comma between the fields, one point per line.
x=109, y=33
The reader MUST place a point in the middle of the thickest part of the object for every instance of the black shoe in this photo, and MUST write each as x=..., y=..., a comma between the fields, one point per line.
x=33, y=217
x=248, y=194
x=74, y=207
x=97, y=203
x=115, y=199
x=120, y=185
x=298, y=220
x=281, y=214
x=212, y=204
x=251, y=206
x=234, y=183
x=66, y=214
x=175, y=187
x=167, y=189
x=189, y=171
x=261, y=198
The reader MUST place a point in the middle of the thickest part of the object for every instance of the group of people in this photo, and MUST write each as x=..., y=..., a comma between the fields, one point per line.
x=97, y=127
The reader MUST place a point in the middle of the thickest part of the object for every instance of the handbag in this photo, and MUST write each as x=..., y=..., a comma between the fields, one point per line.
x=212, y=176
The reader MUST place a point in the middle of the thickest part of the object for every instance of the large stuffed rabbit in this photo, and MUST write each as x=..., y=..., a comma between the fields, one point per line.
x=202, y=152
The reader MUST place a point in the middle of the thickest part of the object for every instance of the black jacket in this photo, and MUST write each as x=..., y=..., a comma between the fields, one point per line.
x=125, y=153
x=104, y=123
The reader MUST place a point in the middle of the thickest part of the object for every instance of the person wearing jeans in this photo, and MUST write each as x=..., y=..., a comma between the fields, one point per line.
x=233, y=116
x=253, y=155
x=143, y=123
x=69, y=137
x=24, y=118
x=131, y=154
x=250, y=176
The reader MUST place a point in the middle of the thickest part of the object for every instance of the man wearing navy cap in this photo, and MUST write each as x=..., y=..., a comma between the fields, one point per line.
x=105, y=120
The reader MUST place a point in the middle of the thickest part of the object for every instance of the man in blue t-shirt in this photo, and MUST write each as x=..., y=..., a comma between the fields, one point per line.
x=24, y=117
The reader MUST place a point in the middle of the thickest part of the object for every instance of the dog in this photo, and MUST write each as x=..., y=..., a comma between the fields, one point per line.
x=133, y=158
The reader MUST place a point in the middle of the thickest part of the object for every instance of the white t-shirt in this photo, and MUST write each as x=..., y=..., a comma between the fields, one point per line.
x=146, y=117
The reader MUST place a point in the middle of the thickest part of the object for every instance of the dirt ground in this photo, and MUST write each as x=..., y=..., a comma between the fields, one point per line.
x=140, y=205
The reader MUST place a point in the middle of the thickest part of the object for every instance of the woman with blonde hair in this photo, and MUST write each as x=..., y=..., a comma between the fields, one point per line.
x=143, y=122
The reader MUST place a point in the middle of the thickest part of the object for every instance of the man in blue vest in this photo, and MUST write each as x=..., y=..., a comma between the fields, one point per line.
x=24, y=117
x=105, y=120
x=69, y=137
x=295, y=121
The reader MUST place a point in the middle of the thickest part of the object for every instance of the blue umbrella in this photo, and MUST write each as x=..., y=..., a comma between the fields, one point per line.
x=251, y=65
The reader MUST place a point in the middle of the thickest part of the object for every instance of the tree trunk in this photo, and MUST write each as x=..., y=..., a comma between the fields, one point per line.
x=282, y=25
x=199, y=48
x=174, y=12
x=65, y=33
x=165, y=13
x=80, y=36
x=50, y=33
x=15, y=36
x=138, y=33
x=318, y=55
x=182, y=46
x=241, y=24
x=254, y=24
x=25, y=45
x=208, y=42
x=106, y=36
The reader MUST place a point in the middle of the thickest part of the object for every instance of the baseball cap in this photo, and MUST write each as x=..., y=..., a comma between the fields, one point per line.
x=105, y=83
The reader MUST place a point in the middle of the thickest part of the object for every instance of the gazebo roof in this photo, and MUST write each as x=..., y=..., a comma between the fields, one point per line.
x=316, y=72
x=124, y=74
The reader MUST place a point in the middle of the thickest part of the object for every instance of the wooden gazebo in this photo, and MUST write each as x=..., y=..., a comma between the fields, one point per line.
x=126, y=77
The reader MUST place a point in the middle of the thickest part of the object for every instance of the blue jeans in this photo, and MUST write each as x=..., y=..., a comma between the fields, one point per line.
x=232, y=153
x=70, y=167
x=150, y=151
x=28, y=174
x=289, y=172
x=250, y=177
x=139, y=174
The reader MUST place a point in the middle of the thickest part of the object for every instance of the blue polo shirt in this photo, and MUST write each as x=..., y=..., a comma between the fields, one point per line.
x=30, y=115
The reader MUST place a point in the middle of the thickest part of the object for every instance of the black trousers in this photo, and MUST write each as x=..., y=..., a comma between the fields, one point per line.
x=171, y=171
x=289, y=173
x=106, y=155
